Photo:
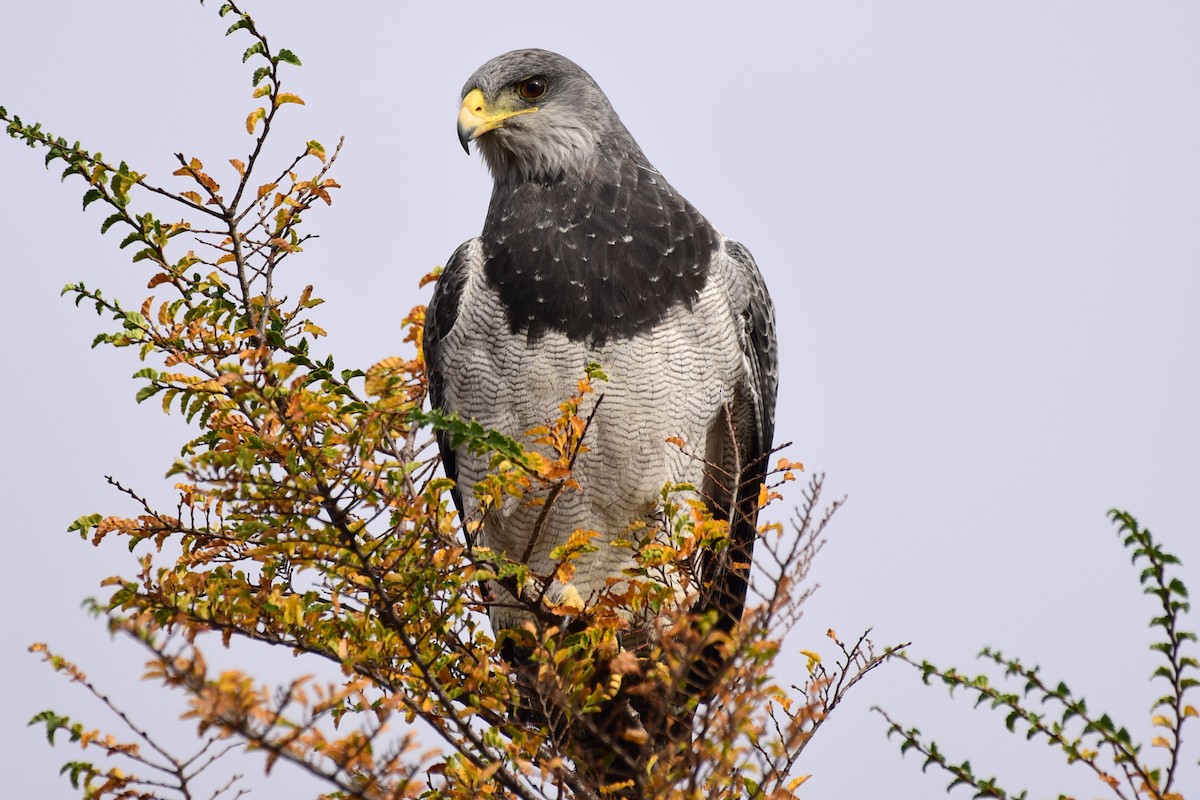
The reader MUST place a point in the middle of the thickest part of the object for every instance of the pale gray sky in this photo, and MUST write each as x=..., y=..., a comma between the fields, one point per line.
x=980, y=222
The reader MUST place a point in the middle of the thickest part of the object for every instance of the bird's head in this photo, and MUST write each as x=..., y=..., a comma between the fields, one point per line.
x=535, y=115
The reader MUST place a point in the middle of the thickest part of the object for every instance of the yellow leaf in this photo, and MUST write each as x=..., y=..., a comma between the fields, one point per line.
x=255, y=116
x=1190, y=711
x=794, y=783
x=238, y=165
x=765, y=495
x=287, y=97
x=1159, y=741
x=571, y=599
x=193, y=196
x=637, y=736
x=262, y=90
x=265, y=188
x=1160, y=721
x=580, y=537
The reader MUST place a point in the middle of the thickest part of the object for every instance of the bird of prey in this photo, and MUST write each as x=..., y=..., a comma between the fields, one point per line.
x=589, y=255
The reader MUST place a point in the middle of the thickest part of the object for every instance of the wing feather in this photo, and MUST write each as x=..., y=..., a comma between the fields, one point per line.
x=752, y=425
x=440, y=317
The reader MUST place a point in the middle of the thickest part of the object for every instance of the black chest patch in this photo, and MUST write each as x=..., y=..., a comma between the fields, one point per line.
x=595, y=261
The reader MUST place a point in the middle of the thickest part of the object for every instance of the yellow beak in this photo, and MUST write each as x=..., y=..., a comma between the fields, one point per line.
x=475, y=118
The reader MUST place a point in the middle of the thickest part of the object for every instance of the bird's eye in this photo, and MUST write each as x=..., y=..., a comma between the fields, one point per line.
x=532, y=88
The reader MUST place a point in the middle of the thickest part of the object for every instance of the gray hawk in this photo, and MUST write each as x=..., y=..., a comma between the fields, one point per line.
x=589, y=255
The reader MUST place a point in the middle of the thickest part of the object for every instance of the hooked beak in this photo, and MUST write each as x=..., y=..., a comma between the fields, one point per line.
x=475, y=118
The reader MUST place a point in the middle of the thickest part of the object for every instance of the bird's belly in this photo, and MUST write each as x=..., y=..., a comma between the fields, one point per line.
x=672, y=381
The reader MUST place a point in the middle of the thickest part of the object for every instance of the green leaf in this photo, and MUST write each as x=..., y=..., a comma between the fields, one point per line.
x=113, y=220
x=288, y=56
x=82, y=525
x=148, y=391
x=243, y=22
x=74, y=769
x=255, y=49
x=594, y=371
x=92, y=196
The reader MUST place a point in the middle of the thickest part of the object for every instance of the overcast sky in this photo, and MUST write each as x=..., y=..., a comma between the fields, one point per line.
x=980, y=222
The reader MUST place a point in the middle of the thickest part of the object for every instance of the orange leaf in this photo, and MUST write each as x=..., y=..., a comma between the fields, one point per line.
x=160, y=278
x=238, y=165
x=193, y=196
x=764, y=495
x=254, y=117
x=625, y=663
x=265, y=189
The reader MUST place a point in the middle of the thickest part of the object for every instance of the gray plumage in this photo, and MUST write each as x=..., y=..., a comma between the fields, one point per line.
x=588, y=254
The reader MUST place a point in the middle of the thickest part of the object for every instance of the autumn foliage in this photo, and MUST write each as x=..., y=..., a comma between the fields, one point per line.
x=311, y=515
